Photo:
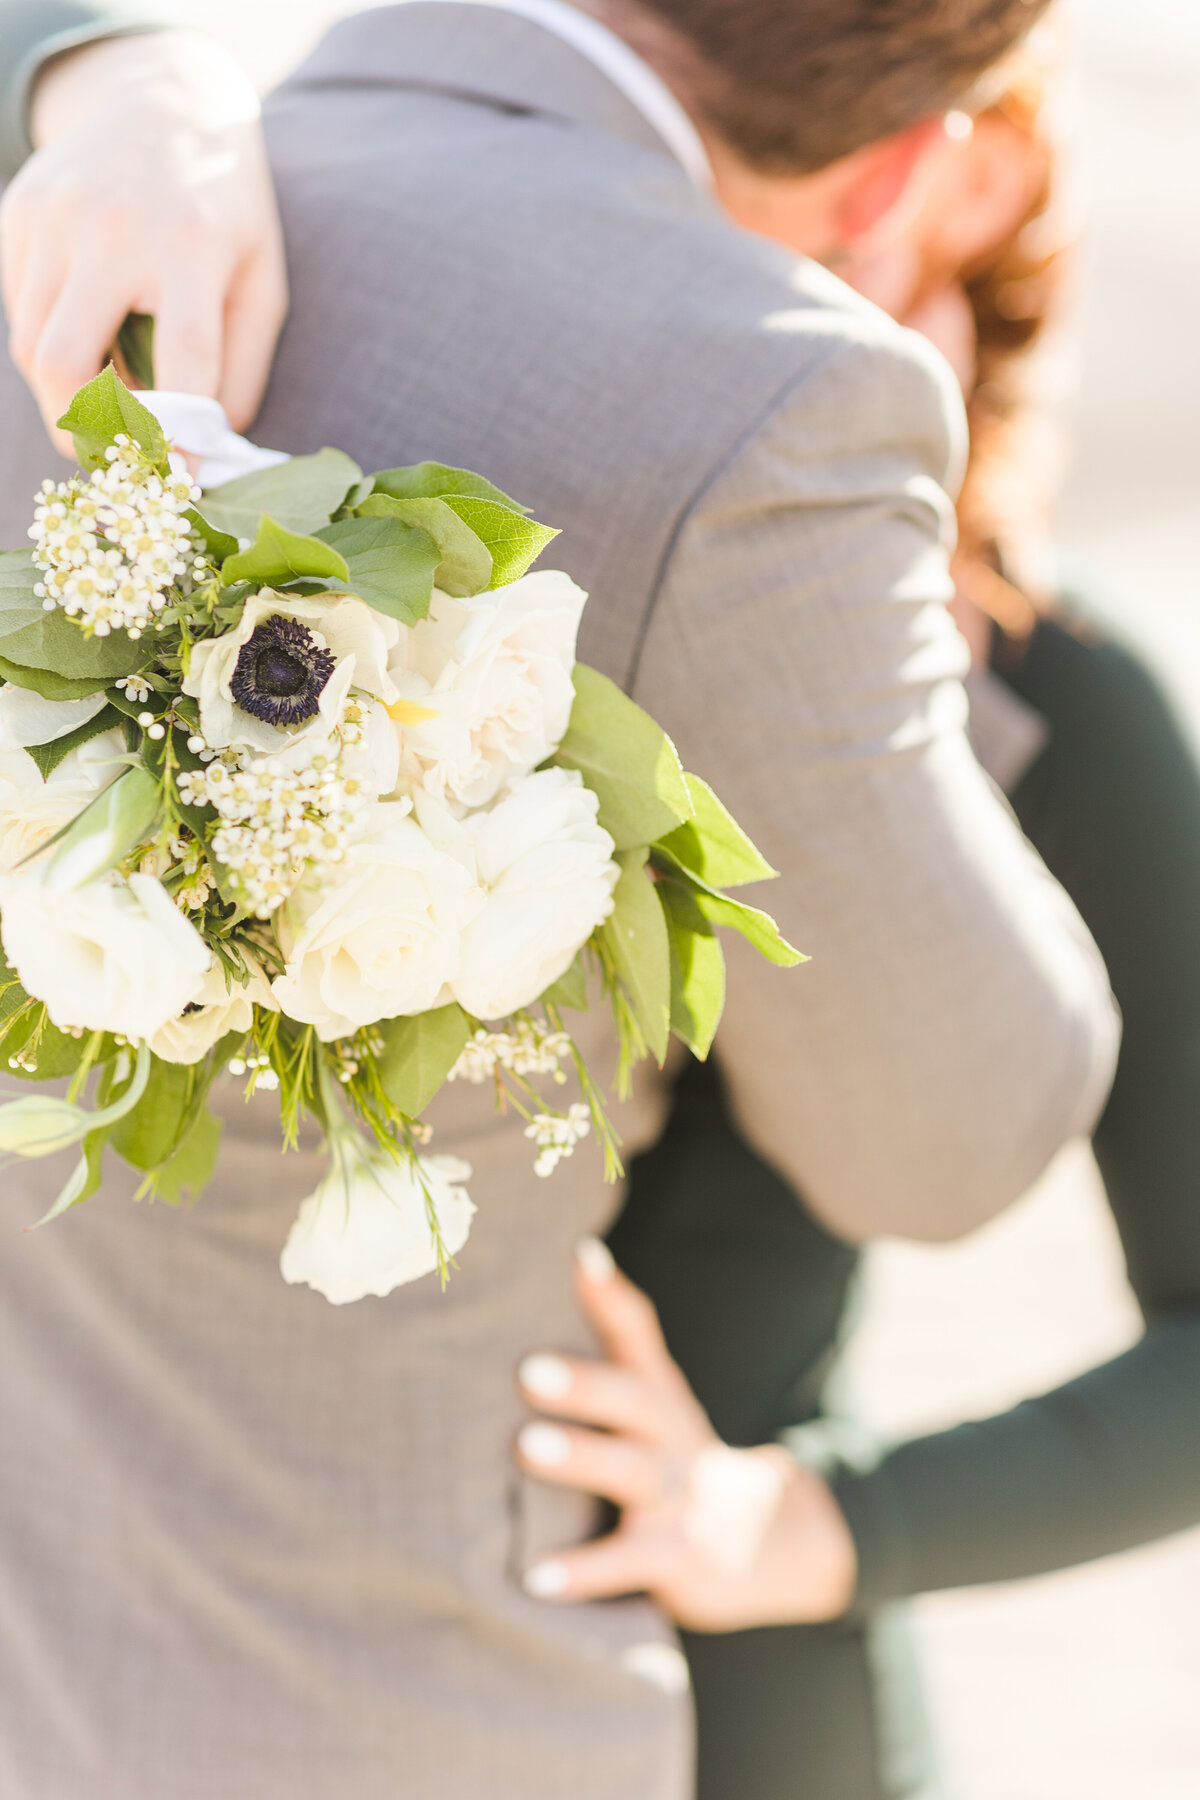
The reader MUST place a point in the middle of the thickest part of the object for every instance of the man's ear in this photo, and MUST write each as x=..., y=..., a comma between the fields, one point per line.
x=879, y=182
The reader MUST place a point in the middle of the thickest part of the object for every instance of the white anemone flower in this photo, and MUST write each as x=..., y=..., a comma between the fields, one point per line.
x=328, y=645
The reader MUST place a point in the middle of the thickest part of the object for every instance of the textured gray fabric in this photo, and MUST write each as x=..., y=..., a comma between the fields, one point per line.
x=258, y=1548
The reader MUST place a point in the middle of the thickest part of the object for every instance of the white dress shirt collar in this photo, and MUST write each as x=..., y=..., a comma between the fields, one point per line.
x=625, y=69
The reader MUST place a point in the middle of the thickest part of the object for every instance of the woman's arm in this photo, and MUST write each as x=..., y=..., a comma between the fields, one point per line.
x=149, y=192
x=1113, y=1459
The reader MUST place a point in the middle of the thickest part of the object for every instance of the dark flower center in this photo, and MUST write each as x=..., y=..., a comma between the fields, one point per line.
x=281, y=672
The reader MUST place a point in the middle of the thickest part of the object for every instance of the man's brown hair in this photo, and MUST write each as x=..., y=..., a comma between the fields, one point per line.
x=794, y=85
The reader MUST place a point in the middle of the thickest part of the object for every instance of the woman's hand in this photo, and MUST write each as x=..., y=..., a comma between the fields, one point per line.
x=149, y=193
x=722, y=1539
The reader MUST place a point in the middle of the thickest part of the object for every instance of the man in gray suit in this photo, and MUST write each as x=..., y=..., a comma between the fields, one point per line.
x=259, y=1548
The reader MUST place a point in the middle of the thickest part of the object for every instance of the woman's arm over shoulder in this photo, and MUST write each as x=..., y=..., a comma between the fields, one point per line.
x=955, y=1026
x=148, y=191
x=34, y=31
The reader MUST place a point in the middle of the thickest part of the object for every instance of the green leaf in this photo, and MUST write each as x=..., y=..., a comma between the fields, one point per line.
x=636, y=935
x=570, y=989
x=49, y=685
x=135, y=343
x=185, y=1175
x=84, y=1180
x=116, y=822
x=148, y=1136
x=58, y=1053
x=758, y=928
x=697, y=970
x=418, y=1055
x=56, y=647
x=713, y=845
x=19, y=575
x=513, y=540
x=101, y=412
x=391, y=565
x=301, y=494
x=278, y=555
x=219, y=544
x=433, y=480
x=466, y=565
x=360, y=492
x=32, y=638
x=12, y=994
x=627, y=760
x=48, y=756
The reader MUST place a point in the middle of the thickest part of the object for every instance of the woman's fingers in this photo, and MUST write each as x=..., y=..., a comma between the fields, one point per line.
x=189, y=329
x=151, y=193
x=255, y=310
x=77, y=335
x=30, y=291
x=624, y=1318
x=591, y=1393
x=615, y=1468
x=613, y=1565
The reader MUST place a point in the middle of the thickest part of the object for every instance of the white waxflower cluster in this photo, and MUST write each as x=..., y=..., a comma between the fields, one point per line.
x=186, y=853
x=528, y=1050
x=283, y=820
x=195, y=890
x=111, y=546
x=557, y=1135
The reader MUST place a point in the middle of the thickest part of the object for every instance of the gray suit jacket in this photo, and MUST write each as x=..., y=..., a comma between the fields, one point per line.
x=263, y=1549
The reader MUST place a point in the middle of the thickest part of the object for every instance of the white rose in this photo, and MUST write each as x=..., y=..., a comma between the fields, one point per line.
x=32, y=809
x=216, y=1009
x=26, y=719
x=111, y=956
x=358, y=638
x=384, y=940
x=495, y=671
x=366, y=1229
x=547, y=870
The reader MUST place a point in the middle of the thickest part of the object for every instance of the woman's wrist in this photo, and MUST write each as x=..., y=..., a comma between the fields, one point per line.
x=812, y=1547
x=164, y=70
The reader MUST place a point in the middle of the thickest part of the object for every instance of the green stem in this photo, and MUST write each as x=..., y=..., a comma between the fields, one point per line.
x=112, y=1115
x=91, y=1052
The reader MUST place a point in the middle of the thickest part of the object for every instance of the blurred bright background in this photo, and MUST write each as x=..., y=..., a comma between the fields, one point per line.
x=1084, y=1686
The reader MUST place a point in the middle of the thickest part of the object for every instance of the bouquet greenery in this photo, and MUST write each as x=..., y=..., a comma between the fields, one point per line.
x=300, y=780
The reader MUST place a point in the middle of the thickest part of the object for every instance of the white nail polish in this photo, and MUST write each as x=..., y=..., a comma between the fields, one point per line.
x=547, y=1445
x=595, y=1259
x=546, y=1581
x=549, y=1377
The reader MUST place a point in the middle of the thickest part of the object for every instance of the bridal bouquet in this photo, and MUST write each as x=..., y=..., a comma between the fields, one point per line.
x=300, y=780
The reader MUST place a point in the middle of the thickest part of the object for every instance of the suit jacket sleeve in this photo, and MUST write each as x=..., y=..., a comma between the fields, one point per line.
x=33, y=31
x=955, y=1026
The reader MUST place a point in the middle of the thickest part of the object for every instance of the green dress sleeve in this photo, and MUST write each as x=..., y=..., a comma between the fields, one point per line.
x=31, y=32
x=1112, y=1459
